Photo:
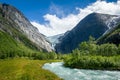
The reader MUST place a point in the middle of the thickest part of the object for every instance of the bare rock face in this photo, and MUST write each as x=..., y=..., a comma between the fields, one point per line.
x=23, y=25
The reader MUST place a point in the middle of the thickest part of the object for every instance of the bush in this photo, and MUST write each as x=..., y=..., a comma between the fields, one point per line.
x=89, y=55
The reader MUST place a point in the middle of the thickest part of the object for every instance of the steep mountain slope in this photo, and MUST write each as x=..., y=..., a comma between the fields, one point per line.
x=94, y=24
x=111, y=37
x=14, y=24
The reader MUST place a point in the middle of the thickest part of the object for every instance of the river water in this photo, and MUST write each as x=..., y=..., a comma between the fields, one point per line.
x=80, y=74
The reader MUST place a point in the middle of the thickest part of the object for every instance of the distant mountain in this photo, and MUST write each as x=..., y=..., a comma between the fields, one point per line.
x=112, y=36
x=55, y=39
x=18, y=29
x=95, y=25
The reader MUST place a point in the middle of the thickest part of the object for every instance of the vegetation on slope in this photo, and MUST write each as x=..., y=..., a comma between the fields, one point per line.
x=13, y=43
x=112, y=37
x=92, y=56
x=12, y=30
x=25, y=69
x=9, y=47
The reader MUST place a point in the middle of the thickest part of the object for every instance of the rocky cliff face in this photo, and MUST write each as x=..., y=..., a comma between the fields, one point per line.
x=94, y=25
x=18, y=21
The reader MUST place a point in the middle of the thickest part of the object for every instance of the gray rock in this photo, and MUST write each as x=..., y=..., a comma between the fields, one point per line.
x=24, y=26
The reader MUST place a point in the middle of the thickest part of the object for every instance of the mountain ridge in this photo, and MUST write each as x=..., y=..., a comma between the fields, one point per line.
x=94, y=24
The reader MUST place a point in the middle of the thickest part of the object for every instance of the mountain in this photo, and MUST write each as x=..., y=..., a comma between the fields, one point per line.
x=15, y=26
x=94, y=24
x=111, y=37
x=55, y=39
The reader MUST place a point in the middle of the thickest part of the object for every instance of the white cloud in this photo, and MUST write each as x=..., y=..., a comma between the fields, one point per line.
x=54, y=25
x=55, y=9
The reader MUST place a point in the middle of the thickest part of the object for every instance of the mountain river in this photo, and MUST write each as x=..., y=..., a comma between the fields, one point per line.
x=80, y=74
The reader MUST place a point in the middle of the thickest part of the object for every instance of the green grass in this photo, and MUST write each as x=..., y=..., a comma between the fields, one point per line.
x=25, y=69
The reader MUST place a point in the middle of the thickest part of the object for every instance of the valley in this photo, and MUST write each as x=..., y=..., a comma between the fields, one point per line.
x=91, y=48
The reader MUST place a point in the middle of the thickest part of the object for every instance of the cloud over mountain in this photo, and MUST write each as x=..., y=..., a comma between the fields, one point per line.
x=55, y=25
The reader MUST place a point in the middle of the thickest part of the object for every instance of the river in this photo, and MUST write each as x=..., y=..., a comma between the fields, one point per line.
x=80, y=74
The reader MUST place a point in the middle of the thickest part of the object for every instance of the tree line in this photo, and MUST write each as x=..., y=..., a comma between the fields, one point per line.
x=90, y=55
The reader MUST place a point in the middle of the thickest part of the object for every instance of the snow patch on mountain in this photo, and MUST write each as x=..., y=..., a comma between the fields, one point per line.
x=112, y=22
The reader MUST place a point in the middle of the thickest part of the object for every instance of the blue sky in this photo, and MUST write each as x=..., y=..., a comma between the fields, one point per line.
x=35, y=9
x=53, y=17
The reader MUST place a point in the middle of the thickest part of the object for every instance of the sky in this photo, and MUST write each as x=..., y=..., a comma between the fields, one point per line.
x=53, y=17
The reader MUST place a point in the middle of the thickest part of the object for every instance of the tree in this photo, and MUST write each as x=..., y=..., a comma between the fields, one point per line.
x=84, y=48
x=118, y=50
x=108, y=49
x=91, y=40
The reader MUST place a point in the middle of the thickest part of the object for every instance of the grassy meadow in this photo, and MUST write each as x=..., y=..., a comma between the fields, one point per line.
x=25, y=69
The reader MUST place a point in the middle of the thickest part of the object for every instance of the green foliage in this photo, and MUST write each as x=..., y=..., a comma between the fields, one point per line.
x=9, y=47
x=94, y=62
x=107, y=50
x=89, y=55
